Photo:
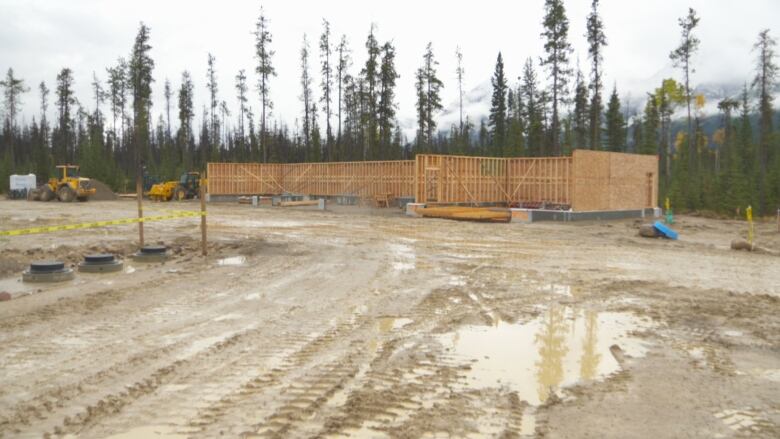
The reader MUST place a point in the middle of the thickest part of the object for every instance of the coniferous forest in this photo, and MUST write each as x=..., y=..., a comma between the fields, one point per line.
x=348, y=113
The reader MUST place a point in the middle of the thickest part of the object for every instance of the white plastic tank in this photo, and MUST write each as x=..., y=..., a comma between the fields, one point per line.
x=22, y=182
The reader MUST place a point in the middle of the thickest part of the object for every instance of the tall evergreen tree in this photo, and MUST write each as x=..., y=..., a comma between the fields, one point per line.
x=13, y=88
x=326, y=51
x=765, y=81
x=597, y=40
x=581, y=117
x=241, y=97
x=498, y=113
x=420, y=107
x=342, y=68
x=616, y=126
x=682, y=57
x=533, y=110
x=140, y=72
x=387, y=79
x=213, y=87
x=306, y=97
x=650, y=124
x=370, y=75
x=185, y=134
x=433, y=86
x=556, y=60
x=459, y=72
x=63, y=138
x=265, y=70
x=167, y=94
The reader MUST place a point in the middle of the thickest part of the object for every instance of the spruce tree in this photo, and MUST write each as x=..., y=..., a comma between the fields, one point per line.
x=13, y=88
x=421, y=105
x=387, y=79
x=581, y=117
x=616, y=127
x=765, y=82
x=597, y=40
x=185, y=136
x=342, y=68
x=140, y=73
x=556, y=60
x=459, y=72
x=370, y=75
x=498, y=112
x=265, y=70
x=326, y=51
x=650, y=125
x=306, y=97
x=63, y=137
x=213, y=87
x=241, y=96
x=533, y=110
x=428, y=87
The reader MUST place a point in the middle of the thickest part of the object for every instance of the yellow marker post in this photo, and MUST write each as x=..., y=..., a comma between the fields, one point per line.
x=751, y=230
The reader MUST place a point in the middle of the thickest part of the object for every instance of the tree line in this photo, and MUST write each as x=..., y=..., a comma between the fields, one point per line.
x=349, y=114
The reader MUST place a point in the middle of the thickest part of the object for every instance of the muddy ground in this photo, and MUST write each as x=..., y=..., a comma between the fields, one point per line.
x=366, y=323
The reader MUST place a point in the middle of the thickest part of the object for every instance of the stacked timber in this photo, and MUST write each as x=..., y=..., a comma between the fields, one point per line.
x=486, y=214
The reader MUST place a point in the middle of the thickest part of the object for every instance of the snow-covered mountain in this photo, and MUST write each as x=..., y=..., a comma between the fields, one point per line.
x=476, y=102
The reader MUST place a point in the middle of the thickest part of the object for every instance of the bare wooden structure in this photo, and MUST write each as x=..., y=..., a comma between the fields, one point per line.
x=476, y=180
x=359, y=179
x=585, y=181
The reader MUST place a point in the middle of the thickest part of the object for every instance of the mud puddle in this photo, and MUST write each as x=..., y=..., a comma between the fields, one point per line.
x=562, y=347
x=232, y=261
x=154, y=431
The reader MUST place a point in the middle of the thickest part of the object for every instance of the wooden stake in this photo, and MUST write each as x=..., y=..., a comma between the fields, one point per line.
x=203, y=219
x=139, y=189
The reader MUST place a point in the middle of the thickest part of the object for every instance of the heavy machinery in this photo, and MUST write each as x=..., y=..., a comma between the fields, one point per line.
x=186, y=188
x=70, y=187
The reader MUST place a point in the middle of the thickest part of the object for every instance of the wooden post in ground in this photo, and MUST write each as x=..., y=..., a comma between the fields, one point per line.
x=139, y=189
x=202, y=196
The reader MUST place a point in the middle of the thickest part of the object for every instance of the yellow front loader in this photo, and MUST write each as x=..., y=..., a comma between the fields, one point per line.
x=186, y=188
x=70, y=187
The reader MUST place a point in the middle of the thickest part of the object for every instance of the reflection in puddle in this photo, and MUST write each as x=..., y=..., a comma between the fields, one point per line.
x=153, y=431
x=558, y=349
x=232, y=261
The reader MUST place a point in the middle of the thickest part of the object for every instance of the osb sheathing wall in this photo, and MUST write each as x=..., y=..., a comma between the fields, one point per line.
x=614, y=181
x=363, y=179
x=459, y=179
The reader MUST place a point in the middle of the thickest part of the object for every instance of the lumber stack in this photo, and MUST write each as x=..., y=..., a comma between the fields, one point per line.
x=486, y=214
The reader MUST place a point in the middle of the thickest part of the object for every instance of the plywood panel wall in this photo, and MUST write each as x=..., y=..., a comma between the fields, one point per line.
x=614, y=181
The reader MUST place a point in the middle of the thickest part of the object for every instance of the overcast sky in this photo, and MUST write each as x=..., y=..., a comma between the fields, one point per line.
x=38, y=38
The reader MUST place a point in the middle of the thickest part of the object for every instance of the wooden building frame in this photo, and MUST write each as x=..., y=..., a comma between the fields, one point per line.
x=585, y=181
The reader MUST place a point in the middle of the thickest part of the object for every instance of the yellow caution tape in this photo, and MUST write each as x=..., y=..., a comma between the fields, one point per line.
x=49, y=229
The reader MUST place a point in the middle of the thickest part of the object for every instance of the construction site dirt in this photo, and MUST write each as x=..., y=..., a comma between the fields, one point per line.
x=358, y=322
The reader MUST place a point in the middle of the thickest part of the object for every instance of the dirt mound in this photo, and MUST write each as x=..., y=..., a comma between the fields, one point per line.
x=104, y=193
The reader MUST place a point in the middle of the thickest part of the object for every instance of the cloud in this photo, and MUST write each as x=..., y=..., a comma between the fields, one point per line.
x=37, y=38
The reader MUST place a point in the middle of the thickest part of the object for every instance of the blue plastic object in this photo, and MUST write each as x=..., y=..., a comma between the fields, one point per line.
x=664, y=230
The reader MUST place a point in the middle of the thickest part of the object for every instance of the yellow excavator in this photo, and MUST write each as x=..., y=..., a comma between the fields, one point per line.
x=185, y=188
x=70, y=187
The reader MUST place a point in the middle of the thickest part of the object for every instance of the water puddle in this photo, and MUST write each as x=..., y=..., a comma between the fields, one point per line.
x=404, y=257
x=233, y=261
x=152, y=431
x=560, y=348
x=388, y=324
